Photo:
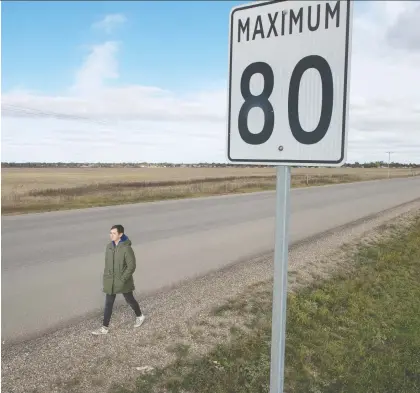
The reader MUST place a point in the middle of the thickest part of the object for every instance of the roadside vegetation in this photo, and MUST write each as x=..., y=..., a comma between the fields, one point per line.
x=39, y=190
x=357, y=331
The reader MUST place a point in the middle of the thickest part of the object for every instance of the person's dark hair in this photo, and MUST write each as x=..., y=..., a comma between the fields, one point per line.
x=119, y=228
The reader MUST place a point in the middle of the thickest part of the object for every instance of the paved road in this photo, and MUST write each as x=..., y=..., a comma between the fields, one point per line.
x=52, y=262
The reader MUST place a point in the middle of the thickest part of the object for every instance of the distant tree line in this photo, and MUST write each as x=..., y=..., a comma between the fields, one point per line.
x=375, y=164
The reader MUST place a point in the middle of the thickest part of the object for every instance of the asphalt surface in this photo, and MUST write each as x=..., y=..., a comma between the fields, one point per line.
x=52, y=262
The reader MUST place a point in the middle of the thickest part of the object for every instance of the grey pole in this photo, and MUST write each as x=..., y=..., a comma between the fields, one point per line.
x=389, y=161
x=278, y=335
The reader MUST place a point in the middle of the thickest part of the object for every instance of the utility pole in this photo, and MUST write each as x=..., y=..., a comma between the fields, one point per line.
x=389, y=161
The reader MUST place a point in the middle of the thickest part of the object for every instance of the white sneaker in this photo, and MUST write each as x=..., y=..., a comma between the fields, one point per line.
x=102, y=330
x=139, y=321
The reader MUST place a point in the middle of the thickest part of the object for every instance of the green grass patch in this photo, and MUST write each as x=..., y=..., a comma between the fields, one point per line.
x=357, y=332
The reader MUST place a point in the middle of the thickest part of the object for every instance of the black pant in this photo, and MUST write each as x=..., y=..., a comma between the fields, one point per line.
x=109, y=304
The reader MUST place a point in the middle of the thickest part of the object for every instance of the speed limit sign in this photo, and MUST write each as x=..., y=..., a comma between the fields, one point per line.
x=288, y=83
x=288, y=106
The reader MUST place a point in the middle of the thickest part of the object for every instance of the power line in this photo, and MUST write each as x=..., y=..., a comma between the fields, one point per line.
x=10, y=109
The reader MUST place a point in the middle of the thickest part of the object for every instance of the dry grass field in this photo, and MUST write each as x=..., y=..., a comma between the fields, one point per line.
x=47, y=189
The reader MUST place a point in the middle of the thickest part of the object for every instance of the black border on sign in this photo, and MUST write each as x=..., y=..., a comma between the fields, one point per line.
x=346, y=60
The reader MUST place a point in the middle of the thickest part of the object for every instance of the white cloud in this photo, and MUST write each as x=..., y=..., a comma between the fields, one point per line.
x=100, y=65
x=97, y=121
x=109, y=23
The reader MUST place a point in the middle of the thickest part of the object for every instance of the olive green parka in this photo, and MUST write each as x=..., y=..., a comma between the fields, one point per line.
x=120, y=264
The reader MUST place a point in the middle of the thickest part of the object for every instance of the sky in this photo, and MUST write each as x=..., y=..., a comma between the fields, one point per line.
x=147, y=81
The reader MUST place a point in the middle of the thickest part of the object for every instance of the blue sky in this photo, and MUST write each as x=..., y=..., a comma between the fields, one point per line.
x=164, y=43
x=170, y=44
x=78, y=74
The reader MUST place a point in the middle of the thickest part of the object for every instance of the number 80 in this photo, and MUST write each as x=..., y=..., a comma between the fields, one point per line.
x=262, y=101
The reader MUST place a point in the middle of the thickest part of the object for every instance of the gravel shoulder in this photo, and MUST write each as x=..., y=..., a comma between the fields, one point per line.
x=72, y=360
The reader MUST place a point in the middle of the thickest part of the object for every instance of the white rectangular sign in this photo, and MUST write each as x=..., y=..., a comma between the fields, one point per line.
x=288, y=82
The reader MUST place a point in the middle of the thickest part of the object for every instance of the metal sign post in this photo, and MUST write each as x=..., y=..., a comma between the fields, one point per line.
x=281, y=257
x=289, y=67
